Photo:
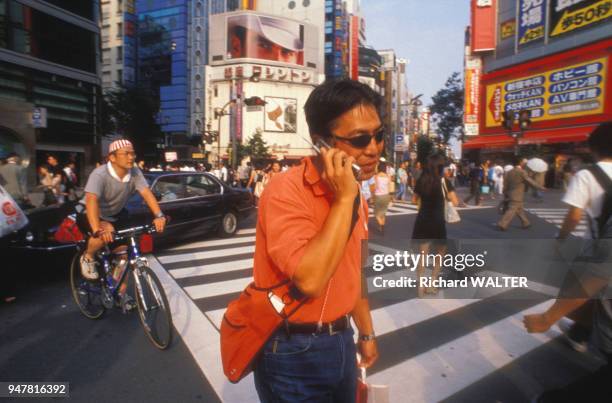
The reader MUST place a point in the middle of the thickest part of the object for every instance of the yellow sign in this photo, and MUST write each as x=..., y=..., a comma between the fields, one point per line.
x=575, y=90
x=507, y=29
x=587, y=15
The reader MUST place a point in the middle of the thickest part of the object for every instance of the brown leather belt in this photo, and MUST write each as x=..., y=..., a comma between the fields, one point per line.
x=338, y=325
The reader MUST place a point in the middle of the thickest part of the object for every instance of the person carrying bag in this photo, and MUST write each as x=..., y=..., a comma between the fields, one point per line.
x=311, y=227
x=12, y=217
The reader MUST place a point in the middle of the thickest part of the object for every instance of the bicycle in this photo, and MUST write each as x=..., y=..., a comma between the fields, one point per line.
x=94, y=297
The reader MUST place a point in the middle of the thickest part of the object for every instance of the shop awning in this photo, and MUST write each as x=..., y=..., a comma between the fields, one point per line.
x=547, y=136
x=557, y=135
x=490, y=141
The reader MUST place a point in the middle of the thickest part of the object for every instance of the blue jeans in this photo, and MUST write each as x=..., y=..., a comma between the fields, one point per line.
x=401, y=191
x=307, y=367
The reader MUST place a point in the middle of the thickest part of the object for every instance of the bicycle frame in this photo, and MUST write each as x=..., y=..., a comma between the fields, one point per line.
x=133, y=257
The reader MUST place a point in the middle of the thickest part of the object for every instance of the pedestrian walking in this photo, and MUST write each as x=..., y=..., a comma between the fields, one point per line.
x=476, y=177
x=13, y=179
x=310, y=228
x=498, y=179
x=402, y=181
x=382, y=197
x=515, y=182
x=589, y=191
x=432, y=191
x=50, y=185
x=366, y=185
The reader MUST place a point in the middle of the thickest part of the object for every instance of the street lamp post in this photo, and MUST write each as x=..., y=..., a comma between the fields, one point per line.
x=219, y=113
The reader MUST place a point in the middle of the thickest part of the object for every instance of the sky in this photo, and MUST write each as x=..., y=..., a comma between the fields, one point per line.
x=429, y=33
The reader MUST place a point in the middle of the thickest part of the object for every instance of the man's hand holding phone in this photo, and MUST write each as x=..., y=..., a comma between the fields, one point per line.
x=338, y=174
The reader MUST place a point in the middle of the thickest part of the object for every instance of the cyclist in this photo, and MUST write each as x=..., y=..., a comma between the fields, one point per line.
x=107, y=192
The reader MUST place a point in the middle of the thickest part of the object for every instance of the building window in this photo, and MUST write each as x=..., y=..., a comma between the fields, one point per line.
x=119, y=30
x=119, y=6
x=120, y=76
x=119, y=53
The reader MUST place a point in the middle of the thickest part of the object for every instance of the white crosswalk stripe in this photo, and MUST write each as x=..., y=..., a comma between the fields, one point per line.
x=556, y=216
x=200, y=290
x=405, y=208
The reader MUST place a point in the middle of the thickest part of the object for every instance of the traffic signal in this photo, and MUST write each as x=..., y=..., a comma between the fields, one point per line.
x=524, y=119
x=254, y=101
x=508, y=119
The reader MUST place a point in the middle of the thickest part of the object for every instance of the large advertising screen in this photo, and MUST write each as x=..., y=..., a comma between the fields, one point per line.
x=570, y=91
x=249, y=37
x=261, y=37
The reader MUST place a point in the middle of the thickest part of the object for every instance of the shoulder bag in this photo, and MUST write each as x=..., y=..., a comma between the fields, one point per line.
x=451, y=215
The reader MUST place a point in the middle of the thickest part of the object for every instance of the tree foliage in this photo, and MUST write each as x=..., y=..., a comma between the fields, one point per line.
x=256, y=147
x=447, y=108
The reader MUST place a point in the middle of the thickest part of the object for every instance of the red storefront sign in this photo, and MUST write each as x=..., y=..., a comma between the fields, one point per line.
x=559, y=78
x=553, y=82
x=483, y=25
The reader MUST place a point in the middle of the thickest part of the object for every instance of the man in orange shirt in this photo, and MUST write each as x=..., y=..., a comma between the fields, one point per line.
x=312, y=220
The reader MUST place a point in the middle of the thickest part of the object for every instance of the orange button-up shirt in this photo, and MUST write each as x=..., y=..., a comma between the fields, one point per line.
x=292, y=210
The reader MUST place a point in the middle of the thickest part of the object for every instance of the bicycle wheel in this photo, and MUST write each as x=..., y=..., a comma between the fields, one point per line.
x=86, y=294
x=153, y=307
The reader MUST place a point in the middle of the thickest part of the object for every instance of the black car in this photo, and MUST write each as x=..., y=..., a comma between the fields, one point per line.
x=198, y=204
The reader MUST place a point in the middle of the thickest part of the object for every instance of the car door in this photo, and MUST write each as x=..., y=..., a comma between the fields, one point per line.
x=205, y=195
x=169, y=190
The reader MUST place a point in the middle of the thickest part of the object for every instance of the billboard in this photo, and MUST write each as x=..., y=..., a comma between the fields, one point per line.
x=241, y=37
x=471, y=110
x=531, y=21
x=258, y=37
x=567, y=16
x=571, y=91
x=483, y=25
x=280, y=115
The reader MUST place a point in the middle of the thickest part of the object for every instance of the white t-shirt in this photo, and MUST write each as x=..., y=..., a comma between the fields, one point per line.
x=365, y=188
x=585, y=192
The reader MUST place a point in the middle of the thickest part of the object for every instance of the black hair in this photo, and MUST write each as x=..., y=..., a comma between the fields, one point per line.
x=600, y=140
x=332, y=99
x=432, y=173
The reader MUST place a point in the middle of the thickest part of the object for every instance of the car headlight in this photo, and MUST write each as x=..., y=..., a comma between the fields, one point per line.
x=29, y=236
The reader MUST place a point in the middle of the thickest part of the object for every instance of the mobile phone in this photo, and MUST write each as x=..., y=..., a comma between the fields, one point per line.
x=322, y=143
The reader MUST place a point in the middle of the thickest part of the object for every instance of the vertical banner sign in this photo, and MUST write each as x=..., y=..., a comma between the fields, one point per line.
x=354, y=47
x=569, y=15
x=471, y=110
x=531, y=21
x=238, y=129
x=570, y=91
x=483, y=25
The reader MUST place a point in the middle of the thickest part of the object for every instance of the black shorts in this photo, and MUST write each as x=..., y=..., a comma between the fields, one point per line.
x=119, y=222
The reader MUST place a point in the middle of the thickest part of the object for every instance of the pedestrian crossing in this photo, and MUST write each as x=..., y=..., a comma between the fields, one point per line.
x=400, y=207
x=430, y=349
x=556, y=216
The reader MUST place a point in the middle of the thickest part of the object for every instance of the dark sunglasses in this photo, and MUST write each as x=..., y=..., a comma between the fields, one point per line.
x=363, y=140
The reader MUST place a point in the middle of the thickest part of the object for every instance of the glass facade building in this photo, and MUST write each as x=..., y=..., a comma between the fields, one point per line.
x=162, y=59
x=49, y=58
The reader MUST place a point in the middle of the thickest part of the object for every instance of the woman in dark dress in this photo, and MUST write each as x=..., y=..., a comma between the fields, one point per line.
x=430, y=225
